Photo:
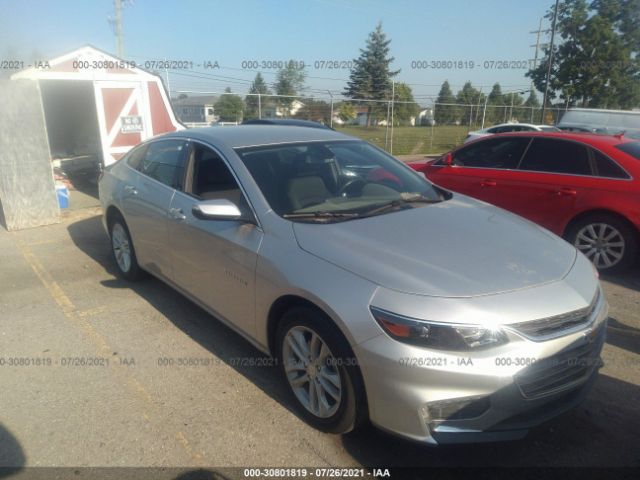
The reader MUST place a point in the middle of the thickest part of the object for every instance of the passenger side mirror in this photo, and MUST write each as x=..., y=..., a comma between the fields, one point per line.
x=218, y=209
x=448, y=159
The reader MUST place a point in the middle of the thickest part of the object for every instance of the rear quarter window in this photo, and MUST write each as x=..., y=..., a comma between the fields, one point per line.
x=631, y=148
x=605, y=167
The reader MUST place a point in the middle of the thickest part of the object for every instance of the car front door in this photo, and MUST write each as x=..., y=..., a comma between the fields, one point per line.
x=479, y=168
x=146, y=198
x=214, y=260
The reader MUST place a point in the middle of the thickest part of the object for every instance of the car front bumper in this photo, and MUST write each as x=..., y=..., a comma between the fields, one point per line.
x=439, y=398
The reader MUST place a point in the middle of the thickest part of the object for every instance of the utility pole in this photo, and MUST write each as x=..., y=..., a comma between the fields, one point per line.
x=331, y=117
x=259, y=105
x=550, y=61
x=118, y=28
x=393, y=97
x=537, y=46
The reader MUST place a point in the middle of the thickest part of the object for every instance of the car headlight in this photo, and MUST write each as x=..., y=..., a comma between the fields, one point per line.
x=436, y=335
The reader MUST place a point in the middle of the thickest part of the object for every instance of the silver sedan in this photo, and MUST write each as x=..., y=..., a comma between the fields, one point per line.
x=382, y=297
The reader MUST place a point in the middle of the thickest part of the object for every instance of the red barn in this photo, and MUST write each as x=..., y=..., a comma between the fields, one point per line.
x=98, y=106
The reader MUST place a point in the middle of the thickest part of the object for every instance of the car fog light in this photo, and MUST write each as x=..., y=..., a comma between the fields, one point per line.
x=459, y=408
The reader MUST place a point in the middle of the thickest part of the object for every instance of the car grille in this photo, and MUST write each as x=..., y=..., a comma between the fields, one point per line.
x=558, y=325
x=564, y=370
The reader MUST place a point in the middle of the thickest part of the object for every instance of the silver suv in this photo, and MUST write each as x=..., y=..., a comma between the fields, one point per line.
x=381, y=296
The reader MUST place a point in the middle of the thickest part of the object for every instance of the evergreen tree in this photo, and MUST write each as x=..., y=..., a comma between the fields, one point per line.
x=251, y=101
x=445, y=113
x=370, y=77
x=289, y=83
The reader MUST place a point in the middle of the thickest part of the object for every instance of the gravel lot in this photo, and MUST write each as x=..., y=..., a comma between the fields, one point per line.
x=60, y=300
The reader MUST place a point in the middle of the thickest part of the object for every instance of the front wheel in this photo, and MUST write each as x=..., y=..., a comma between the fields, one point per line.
x=607, y=241
x=321, y=372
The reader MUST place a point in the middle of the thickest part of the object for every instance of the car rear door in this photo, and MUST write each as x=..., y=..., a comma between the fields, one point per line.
x=146, y=198
x=214, y=260
x=479, y=168
x=553, y=179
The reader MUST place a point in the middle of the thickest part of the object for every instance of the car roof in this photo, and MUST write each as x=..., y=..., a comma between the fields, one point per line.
x=594, y=139
x=285, y=121
x=255, y=135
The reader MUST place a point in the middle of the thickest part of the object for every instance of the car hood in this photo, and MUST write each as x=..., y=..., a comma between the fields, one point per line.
x=457, y=248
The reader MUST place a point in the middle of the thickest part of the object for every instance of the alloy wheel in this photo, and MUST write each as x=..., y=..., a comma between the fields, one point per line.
x=312, y=371
x=602, y=243
x=121, y=247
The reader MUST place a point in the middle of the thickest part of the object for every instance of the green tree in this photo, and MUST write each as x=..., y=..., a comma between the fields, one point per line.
x=289, y=83
x=405, y=107
x=316, y=110
x=496, y=111
x=471, y=101
x=346, y=112
x=596, y=61
x=371, y=77
x=446, y=113
x=229, y=107
x=252, y=102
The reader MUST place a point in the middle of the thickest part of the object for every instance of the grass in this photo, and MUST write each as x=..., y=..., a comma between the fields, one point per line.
x=412, y=140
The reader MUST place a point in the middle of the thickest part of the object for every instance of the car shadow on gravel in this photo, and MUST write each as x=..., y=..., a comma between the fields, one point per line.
x=12, y=457
x=598, y=432
x=223, y=342
x=629, y=279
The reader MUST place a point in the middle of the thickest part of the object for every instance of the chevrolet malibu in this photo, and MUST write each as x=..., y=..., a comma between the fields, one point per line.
x=381, y=296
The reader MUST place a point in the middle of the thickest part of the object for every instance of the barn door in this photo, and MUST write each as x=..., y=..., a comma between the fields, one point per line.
x=123, y=117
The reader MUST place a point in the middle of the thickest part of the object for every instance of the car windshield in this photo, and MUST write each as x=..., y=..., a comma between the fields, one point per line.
x=335, y=181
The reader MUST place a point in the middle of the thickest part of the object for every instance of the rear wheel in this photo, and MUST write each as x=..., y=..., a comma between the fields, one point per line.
x=609, y=242
x=123, y=251
x=321, y=372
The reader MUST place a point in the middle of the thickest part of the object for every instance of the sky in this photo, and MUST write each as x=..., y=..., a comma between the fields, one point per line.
x=235, y=33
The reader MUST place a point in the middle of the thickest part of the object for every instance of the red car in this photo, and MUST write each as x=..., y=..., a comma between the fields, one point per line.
x=583, y=187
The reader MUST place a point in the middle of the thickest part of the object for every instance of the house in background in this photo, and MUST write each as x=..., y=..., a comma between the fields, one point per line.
x=195, y=110
x=272, y=110
x=426, y=117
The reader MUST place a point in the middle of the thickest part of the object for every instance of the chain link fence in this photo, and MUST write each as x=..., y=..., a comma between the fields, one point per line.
x=415, y=130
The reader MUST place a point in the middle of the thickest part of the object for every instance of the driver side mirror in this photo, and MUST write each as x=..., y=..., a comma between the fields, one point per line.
x=218, y=209
x=448, y=159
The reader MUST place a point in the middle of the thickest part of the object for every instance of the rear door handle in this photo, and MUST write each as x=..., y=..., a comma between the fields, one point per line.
x=488, y=183
x=130, y=190
x=177, y=214
x=568, y=192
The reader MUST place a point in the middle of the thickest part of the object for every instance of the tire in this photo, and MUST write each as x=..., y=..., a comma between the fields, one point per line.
x=122, y=251
x=341, y=415
x=609, y=242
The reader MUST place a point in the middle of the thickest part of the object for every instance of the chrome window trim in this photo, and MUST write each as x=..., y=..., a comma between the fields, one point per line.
x=235, y=176
x=147, y=177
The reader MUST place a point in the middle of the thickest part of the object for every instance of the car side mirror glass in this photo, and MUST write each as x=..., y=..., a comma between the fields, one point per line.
x=218, y=209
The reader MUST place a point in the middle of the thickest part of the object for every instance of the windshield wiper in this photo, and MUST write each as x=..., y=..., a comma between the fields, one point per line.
x=321, y=215
x=404, y=200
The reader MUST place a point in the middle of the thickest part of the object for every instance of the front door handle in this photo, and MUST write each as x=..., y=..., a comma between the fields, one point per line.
x=177, y=214
x=488, y=183
x=566, y=192
x=130, y=190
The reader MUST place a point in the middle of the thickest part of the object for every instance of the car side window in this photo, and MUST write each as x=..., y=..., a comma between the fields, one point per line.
x=556, y=156
x=605, y=167
x=503, y=153
x=164, y=161
x=210, y=178
x=135, y=156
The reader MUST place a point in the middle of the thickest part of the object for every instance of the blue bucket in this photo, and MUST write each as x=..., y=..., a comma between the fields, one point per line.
x=63, y=196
